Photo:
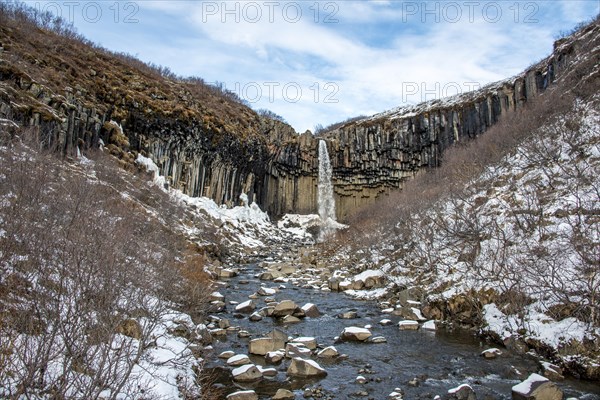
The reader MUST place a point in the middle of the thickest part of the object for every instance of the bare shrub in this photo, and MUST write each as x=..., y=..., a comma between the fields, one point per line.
x=84, y=274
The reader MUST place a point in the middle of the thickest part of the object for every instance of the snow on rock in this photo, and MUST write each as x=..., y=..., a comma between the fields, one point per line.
x=536, y=387
x=246, y=224
x=355, y=334
x=429, y=326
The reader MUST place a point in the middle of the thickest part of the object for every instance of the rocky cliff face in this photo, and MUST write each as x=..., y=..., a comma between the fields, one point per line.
x=376, y=155
x=212, y=146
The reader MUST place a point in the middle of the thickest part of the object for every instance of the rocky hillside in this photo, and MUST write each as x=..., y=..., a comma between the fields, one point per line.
x=206, y=142
x=504, y=236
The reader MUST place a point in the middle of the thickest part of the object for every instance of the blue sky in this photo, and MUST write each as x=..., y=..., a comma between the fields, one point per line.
x=324, y=61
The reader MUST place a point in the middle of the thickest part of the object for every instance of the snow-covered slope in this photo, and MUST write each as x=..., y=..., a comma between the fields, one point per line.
x=523, y=239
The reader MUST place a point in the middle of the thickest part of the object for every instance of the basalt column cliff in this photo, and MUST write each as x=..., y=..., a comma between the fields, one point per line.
x=207, y=143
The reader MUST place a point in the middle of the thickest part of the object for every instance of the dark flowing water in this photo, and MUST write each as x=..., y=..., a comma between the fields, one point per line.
x=439, y=360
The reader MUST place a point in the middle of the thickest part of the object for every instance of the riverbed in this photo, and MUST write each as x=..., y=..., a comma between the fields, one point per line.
x=421, y=363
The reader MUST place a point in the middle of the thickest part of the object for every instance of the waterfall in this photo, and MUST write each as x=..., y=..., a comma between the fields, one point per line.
x=325, y=200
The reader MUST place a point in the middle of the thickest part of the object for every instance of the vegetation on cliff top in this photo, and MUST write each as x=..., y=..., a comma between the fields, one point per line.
x=42, y=57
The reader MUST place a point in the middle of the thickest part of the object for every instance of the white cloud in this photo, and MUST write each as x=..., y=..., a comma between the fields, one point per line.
x=371, y=54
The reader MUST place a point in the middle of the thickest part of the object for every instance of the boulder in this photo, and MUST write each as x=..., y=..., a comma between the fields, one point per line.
x=328, y=352
x=245, y=307
x=246, y=373
x=462, y=392
x=243, y=395
x=283, y=308
x=348, y=315
x=255, y=317
x=290, y=319
x=262, y=346
x=237, y=360
x=536, y=387
x=297, y=350
x=269, y=372
x=273, y=357
x=284, y=394
x=302, y=368
x=226, y=354
x=491, y=353
x=355, y=334
x=408, y=325
x=308, y=342
x=429, y=326
x=263, y=291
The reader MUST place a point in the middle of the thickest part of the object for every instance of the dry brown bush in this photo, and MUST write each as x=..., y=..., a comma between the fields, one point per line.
x=79, y=260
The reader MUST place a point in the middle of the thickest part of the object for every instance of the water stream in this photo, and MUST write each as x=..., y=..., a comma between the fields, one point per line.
x=438, y=360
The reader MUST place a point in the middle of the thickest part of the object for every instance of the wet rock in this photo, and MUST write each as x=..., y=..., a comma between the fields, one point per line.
x=255, y=317
x=300, y=367
x=297, y=350
x=290, y=319
x=216, y=296
x=491, y=353
x=237, y=360
x=462, y=392
x=243, y=334
x=551, y=371
x=226, y=354
x=226, y=272
x=536, y=387
x=268, y=372
x=243, y=395
x=429, y=326
x=378, y=339
x=361, y=380
x=246, y=373
x=355, y=334
x=263, y=291
x=408, y=325
x=283, y=308
x=328, y=352
x=224, y=323
x=262, y=346
x=284, y=394
x=308, y=342
x=410, y=313
x=273, y=357
x=246, y=307
x=348, y=315
x=386, y=322
x=334, y=284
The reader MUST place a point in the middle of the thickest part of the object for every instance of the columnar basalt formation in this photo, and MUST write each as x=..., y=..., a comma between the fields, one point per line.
x=225, y=149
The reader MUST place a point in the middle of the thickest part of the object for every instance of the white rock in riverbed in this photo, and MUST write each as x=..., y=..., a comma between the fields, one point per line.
x=243, y=395
x=245, y=307
x=246, y=373
x=328, y=352
x=536, y=387
x=354, y=333
x=309, y=342
x=237, y=360
x=300, y=367
x=226, y=354
x=408, y=325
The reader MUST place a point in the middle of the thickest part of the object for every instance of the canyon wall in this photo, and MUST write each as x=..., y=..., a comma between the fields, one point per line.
x=265, y=158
